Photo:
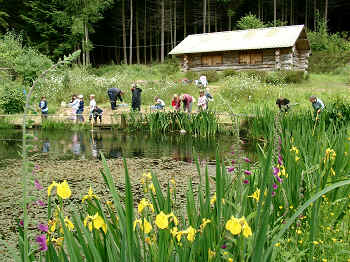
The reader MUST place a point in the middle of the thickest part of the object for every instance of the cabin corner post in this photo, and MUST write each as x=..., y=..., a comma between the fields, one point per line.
x=277, y=59
x=185, y=65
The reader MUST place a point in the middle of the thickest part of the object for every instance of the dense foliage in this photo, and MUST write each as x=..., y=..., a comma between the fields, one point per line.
x=131, y=31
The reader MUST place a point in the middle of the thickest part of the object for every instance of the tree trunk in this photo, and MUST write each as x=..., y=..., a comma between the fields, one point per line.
x=171, y=26
x=130, y=47
x=204, y=14
x=145, y=34
x=124, y=33
x=185, y=26
x=216, y=20
x=291, y=12
x=162, y=32
x=209, y=16
x=83, y=50
x=274, y=13
x=326, y=12
x=175, y=23
x=150, y=41
x=315, y=16
x=306, y=12
x=137, y=37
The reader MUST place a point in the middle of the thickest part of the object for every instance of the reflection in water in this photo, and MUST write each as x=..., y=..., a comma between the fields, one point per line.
x=46, y=146
x=64, y=144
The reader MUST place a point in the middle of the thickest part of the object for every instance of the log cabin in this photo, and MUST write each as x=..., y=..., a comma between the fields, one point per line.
x=267, y=49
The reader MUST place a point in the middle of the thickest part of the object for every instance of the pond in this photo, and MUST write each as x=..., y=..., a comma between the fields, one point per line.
x=68, y=145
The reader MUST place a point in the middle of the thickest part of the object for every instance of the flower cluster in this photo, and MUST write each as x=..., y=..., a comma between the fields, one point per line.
x=96, y=222
x=238, y=225
x=296, y=151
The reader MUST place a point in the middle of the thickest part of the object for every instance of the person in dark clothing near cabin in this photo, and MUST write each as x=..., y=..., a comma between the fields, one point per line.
x=114, y=94
x=136, y=97
x=283, y=104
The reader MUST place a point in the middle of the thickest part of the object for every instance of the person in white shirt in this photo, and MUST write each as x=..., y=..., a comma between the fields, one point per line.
x=92, y=106
x=202, y=101
x=74, y=104
x=203, y=80
x=159, y=104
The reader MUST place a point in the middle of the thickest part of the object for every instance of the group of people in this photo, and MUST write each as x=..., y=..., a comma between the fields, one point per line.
x=188, y=100
x=77, y=105
x=317, y=104
x=116, y=94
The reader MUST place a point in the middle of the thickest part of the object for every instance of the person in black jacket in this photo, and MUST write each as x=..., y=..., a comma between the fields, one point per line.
x=136, y=97
x=283, y=104
x=114, y=94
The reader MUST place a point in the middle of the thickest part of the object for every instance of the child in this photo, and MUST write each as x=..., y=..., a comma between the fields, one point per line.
x=209, y=96
x=203, y=80
x=43, y=107
x=74, y=103
x=175, y=103
x=80, y=110
x=202, y=101
x=187, y=101
x=97, y=113
x=159, y=104
x=92, y=106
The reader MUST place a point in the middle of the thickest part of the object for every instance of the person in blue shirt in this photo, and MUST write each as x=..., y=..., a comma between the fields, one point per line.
x=80, y=117
x=43, y=107
x=317, y=105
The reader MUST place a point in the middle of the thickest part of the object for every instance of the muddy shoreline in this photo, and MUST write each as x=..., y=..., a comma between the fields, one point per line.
x=81, y=174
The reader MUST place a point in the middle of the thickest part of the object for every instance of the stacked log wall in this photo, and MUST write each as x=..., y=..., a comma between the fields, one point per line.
x=288, y=59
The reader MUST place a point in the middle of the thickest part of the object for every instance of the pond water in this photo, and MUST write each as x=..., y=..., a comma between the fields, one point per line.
x=66, y=144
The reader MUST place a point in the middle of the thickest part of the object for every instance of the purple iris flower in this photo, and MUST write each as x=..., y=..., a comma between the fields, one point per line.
x=245, y=181
x=276, y=170
x=273, y=193
x=247, y=172
x=38, y=185
x=43, y=228
x=246, y=159
x=41, y=240
x=230, y=169
x=274, y=186
x=40, y=203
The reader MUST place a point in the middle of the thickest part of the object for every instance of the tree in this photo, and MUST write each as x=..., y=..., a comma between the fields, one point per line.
x=162, y=32
x=250, y=21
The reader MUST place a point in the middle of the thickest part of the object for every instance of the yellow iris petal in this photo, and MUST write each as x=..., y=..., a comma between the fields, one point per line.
x=233, y=226
x=162, y=220
x=63, y=190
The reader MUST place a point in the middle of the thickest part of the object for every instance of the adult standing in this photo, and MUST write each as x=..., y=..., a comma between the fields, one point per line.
x=114, y=94
x=136, y=97
x=75, y=106
x=187, y=101
x=203, y=80
x=80, y=111
x=317, y=105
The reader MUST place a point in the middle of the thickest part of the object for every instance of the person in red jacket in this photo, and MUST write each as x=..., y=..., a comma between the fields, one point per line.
x=175, y=103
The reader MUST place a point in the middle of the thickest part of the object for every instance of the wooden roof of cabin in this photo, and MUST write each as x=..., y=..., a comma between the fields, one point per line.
x=261, y=38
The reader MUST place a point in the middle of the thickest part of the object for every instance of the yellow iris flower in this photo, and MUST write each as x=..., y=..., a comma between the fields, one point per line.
x=89, y=196
x=256, y=195
x=234, y=226
x=162, y=220
x=96, y=222
x=143, y=204
x=204, y=224
x=63, y=189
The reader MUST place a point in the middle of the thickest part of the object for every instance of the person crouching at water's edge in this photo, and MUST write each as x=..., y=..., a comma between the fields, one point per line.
x=114, y=94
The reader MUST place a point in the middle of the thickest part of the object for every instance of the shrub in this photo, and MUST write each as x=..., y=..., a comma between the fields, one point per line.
x=261, y=75
x=230, y=72
x=249, y=22
x=285, y=77
x=190, y=75
x=326, y=62
x=12, y=98
x=212, y=76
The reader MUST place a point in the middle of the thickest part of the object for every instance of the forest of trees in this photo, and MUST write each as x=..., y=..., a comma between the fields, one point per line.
x=144, y=31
